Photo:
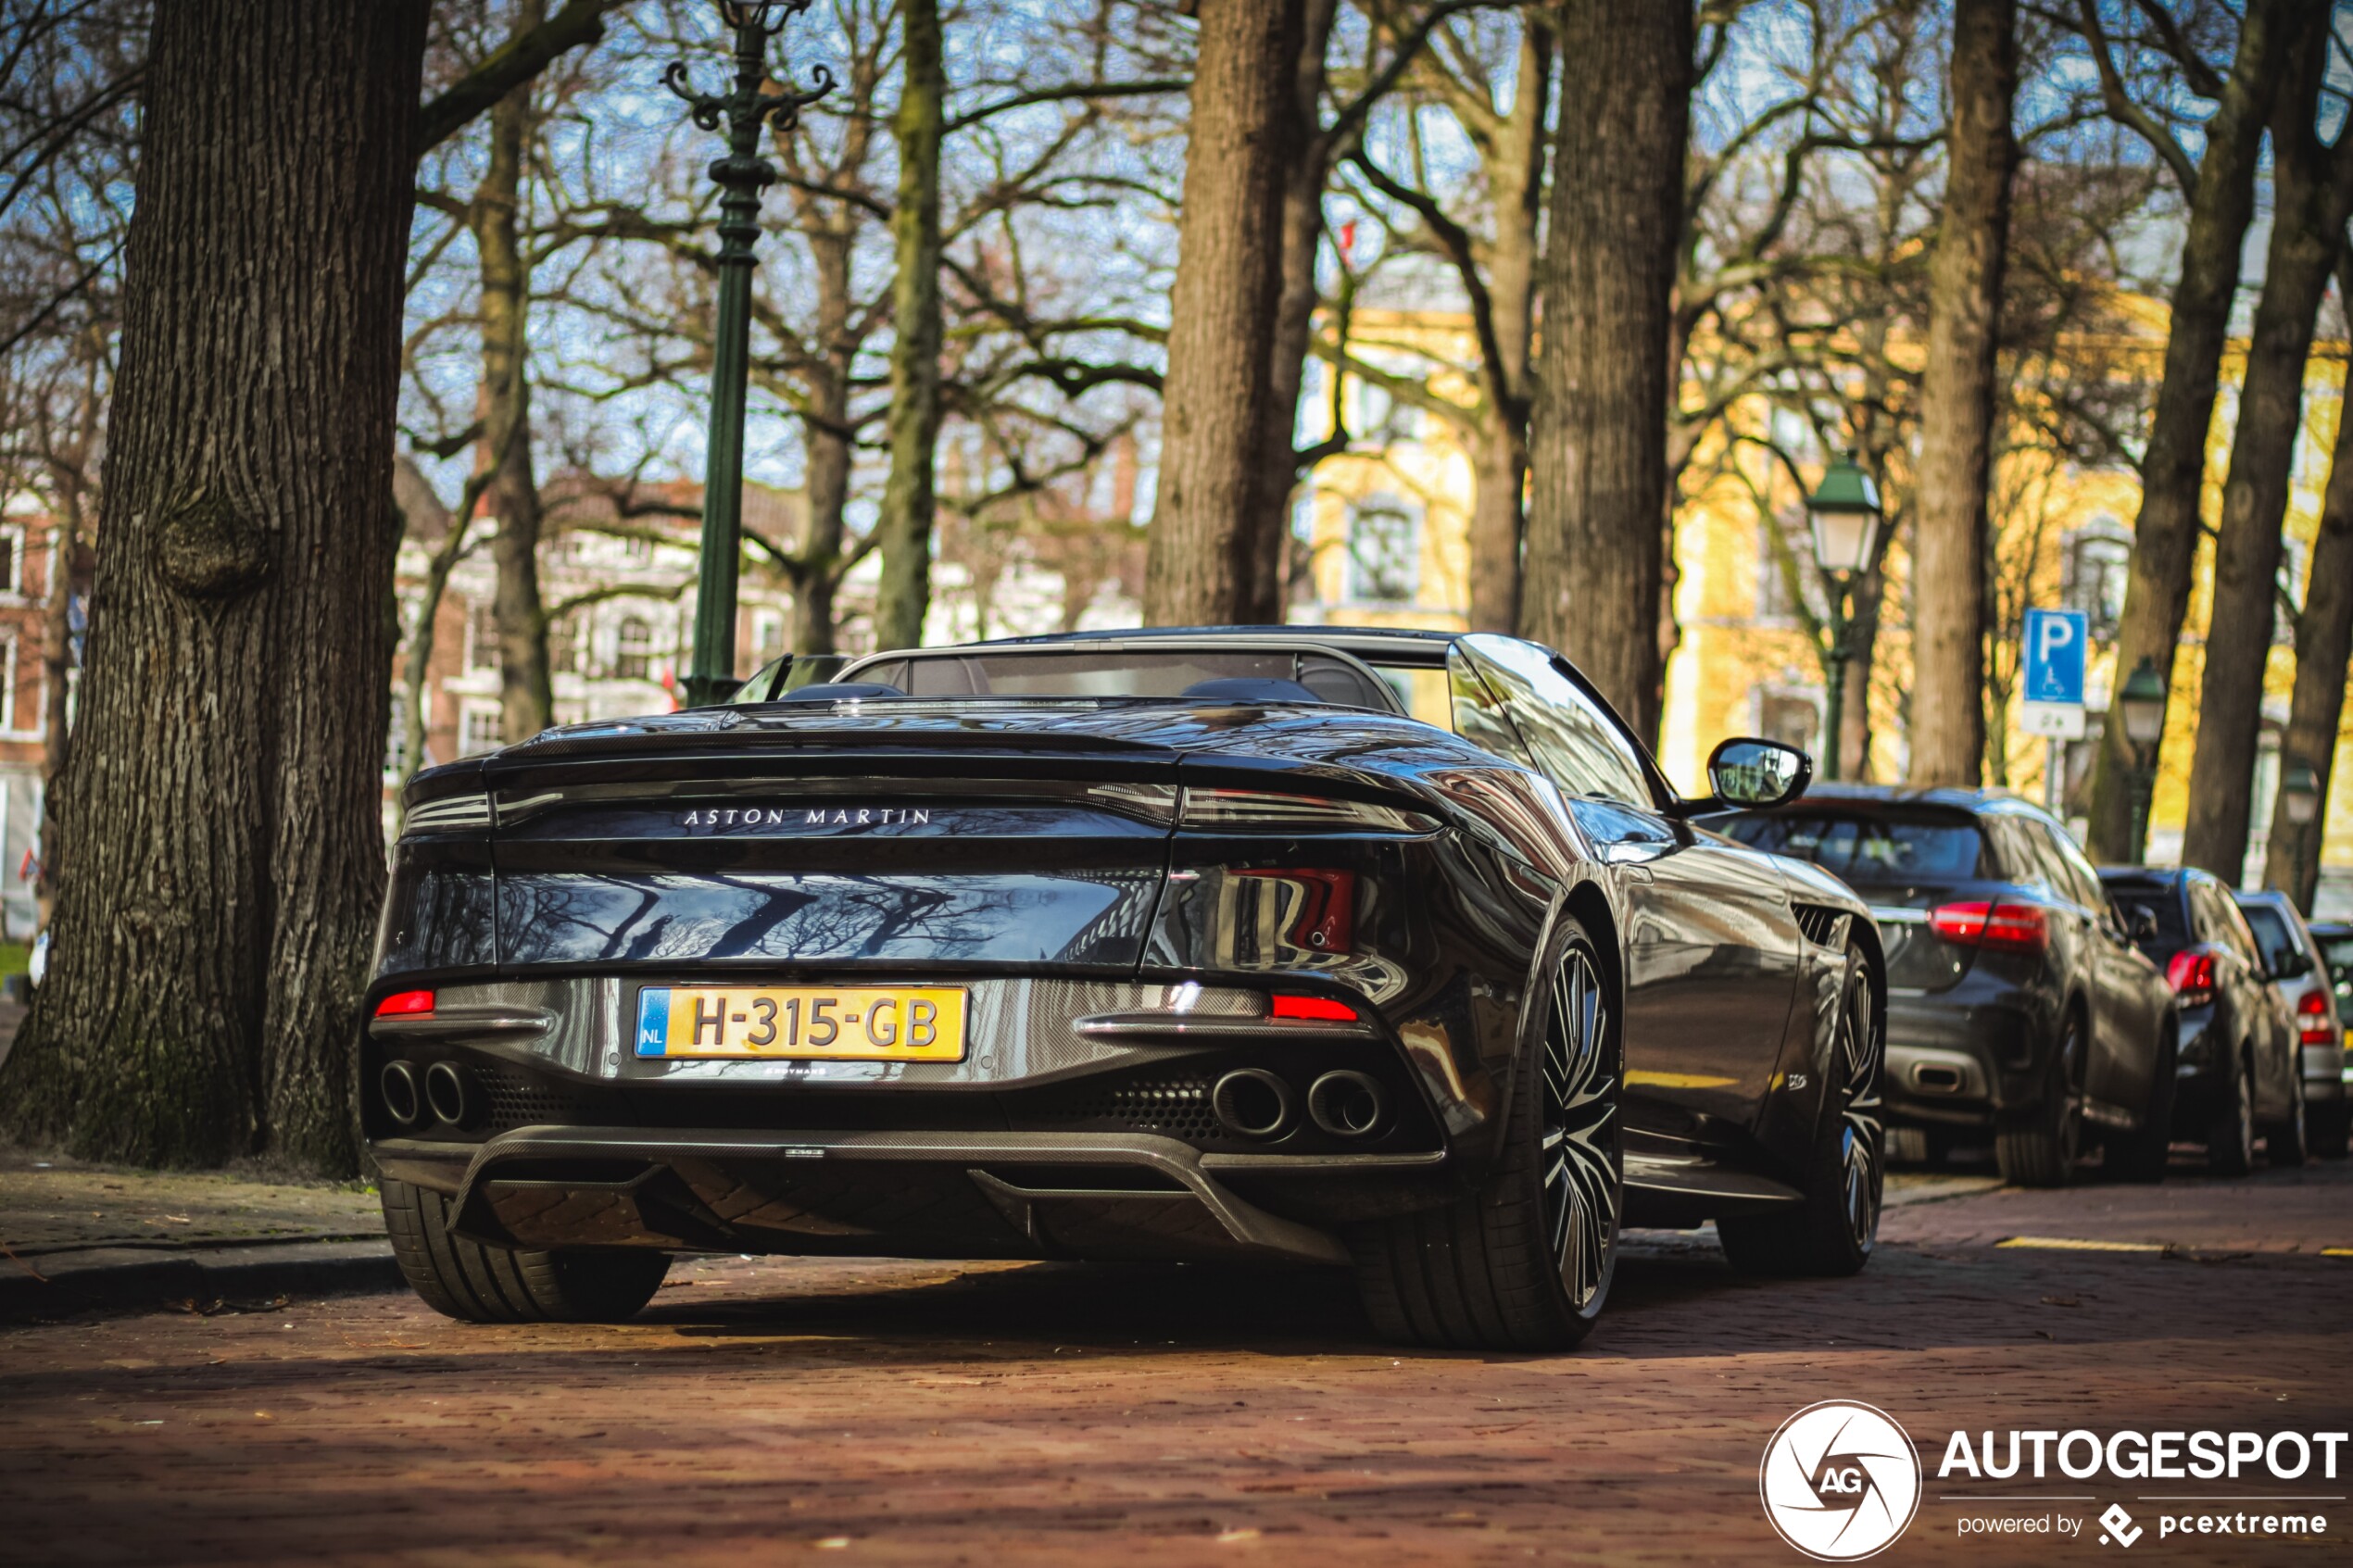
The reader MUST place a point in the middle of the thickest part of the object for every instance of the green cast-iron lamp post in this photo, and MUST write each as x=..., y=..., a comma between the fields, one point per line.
x=1844, y=514
x=741, y=176
x=2141, y=708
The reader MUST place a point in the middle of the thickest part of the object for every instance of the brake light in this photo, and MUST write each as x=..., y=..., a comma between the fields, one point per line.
x=2314, y=1022
x=1311, y=1010
x=2191, y=974
x=2002, y=927
x=404, y=1004
x=1255, y=811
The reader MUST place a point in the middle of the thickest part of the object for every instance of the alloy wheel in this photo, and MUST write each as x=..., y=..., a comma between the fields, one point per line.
x=1580, y=1130
x=1863, y=1133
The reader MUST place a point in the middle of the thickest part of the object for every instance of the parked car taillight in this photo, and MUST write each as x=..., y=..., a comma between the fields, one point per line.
x=2008, y=928
x=2315, y=1021
x=2192, y=977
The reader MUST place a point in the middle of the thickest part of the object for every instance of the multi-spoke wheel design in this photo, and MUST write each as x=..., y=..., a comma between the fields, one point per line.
x=1524, y=1261
x=1863, y=1131
x=1833, y=1227
x=1579, y=1132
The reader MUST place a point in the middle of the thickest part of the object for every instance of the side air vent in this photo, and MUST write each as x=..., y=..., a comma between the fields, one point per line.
x=1821, y=924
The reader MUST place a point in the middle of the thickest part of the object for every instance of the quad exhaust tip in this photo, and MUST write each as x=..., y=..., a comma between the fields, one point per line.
x=1347, y=1105
x=450, y=1093
x=403, y=1099
x=1253, y=1103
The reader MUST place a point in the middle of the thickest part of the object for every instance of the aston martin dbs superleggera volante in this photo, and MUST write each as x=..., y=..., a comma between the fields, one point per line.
x=1388, y=950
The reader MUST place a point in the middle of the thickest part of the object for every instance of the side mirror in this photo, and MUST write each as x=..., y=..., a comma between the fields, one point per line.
x=1758, y=773
x=2292, y=965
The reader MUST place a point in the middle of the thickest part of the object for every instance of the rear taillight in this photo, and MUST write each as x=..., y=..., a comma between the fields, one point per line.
x=2002, y=927
x=1311, y=1009
x=2315, y=1020
x=1255, y=811
x=404, y=1004
x=2192, y=977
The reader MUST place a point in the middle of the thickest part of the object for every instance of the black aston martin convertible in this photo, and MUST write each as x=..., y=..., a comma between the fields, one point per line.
x=1388, y=950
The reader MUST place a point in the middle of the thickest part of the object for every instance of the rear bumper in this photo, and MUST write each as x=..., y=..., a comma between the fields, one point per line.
x=2328, y=1072
x=951, y=1194
x=1958, y=1059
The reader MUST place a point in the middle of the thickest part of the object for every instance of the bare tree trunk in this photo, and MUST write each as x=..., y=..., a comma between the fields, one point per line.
x=1306, y=167
x=1598, y=444
x=1957, y=402
x=217, y=911
x=826, y=435
x=526, y=695
x=1500, y=461
x=1855, y=710
x=2312, y=190
x=2157, y=592
x=2323, y=643
x=908, y=499
x=1215, y=397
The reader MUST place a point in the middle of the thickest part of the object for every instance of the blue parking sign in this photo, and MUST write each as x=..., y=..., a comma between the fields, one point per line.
x=2057, y=642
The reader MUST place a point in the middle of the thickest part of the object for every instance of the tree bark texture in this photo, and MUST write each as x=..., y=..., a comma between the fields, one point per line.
x=2157, y=592
x=1516, y=176
x=1305, y=168
x=2323, y=643
x=1216, y=397
x=1594, y=559
x=526, y=695
x=217, y=911
x=909, y=493
x=1957, y=402
x=826, y=436
x=2313, y=189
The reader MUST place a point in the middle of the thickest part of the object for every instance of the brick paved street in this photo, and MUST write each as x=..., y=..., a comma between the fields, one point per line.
x=911, y=1412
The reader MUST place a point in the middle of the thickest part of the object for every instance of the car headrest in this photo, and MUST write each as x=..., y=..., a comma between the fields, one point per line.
x=839, y=691
x=1248, y=688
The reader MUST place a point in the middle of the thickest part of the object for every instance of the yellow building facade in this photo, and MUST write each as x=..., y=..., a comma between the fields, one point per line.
x=1386, y=523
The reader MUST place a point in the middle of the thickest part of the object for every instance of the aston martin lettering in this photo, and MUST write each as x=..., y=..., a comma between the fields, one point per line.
x=810, y=816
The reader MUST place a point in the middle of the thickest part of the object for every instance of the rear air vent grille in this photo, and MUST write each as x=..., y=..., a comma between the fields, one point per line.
x=517, y=1101
x=1820, y=922
x=1177, y=1107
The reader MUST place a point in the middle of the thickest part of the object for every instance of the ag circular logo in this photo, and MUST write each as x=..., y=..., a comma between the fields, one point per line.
x=1840, y=1481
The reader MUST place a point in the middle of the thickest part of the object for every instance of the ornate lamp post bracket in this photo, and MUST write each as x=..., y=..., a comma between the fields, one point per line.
x=740, y=175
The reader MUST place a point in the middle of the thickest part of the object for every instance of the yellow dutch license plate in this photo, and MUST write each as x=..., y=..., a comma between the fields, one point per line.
x=803, y=1022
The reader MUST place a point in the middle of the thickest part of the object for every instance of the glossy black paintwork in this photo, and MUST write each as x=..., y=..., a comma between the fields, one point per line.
x=730, y=841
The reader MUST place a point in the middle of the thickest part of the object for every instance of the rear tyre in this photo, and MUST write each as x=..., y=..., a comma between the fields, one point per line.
x=1526, y=1263
x=2037, y=1147
x=474, y=1283
x=2326, y=1128
x=1833, y=1230
x=2140, y=1156
x=2230, y=1142
x=2284, y=1147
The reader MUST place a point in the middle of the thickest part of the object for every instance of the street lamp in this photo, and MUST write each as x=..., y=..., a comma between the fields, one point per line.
x=2300, y=794
x=1844, y=514
x=2141, y=705
x=741, y=176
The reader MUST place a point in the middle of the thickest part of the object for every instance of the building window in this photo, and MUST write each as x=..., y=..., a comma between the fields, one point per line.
x=11, y=559
x=632, y=649
x=478, y=729
x=767, y=636
x=393, y=758
x=1790, y=717
x=1384, y=552
x=563, y=646
x=2098, y=561
x=1774, y=599
x=8, y=682
x=481, y=636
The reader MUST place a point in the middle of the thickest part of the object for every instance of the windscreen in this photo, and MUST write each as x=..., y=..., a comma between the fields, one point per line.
x=1881, y=846
x=1125, y=673
x=2271, y=935
x=2337, y=953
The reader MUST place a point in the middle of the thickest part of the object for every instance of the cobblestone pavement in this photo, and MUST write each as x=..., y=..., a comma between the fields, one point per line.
x=918, y=1412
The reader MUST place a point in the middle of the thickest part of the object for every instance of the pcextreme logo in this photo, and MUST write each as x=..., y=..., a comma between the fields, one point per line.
x=1840, y=1481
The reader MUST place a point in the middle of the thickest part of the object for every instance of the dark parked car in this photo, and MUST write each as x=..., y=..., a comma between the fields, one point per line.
x=2335, y=940
x=1381, y=949
x=2016, y=1001
x=2239, y=1077
x=2301, y=976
